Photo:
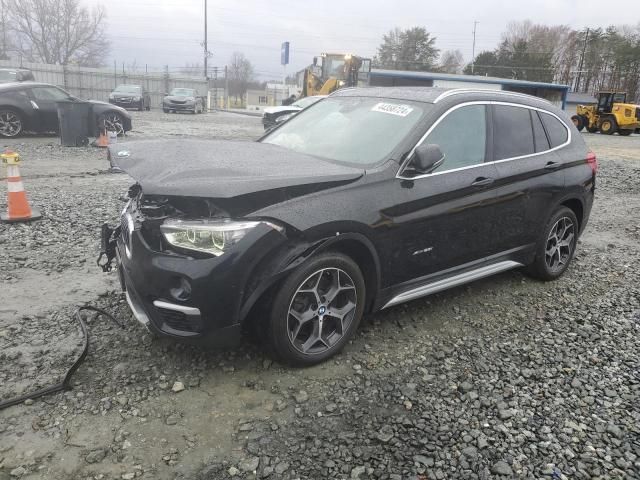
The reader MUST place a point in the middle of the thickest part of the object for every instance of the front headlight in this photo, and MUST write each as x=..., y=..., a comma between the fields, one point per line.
x=209, y=236
x=136, y=99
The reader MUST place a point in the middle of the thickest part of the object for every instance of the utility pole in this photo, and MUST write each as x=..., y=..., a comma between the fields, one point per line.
x=215, y=88
x=3, y=55
x=584, y=51
x=226, y=87
x=206, y=51
x=473, y=48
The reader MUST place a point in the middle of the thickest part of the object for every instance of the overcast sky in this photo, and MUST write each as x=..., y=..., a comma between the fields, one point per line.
x=169, y=32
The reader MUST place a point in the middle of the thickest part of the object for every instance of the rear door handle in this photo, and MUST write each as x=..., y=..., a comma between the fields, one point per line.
x=482, y=182
x=552, y=165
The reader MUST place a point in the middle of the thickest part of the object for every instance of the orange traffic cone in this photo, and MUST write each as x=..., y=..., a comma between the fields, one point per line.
x=103, y=140
x=18, y=209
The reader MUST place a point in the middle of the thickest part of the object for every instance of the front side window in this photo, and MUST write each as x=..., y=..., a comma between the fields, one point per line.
x=461, y=136
x=49, y=94
x=353, y=130
x=556, y=130
x=512, y=132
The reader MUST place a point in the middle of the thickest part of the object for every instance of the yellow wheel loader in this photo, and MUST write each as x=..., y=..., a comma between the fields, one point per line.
x=332, y=71
x=611, y=114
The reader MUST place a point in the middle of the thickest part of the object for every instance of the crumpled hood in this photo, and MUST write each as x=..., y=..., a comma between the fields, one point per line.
x=222, y=168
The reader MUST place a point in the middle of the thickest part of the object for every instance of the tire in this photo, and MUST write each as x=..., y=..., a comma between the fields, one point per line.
x=608, y=126
x=112, y=121
x=165, y=110
x=294, y=322
x=11, y=123
x=625, y=133
x=551, y=260
x=578, y=121
x=141, y=107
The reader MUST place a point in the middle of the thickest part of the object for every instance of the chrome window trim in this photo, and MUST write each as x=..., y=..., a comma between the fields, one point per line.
x=460, y=91
x=493, y=162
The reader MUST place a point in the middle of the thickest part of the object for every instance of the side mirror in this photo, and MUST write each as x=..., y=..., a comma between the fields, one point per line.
x=427, y=157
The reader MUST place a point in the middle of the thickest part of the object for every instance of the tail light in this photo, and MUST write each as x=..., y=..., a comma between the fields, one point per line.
x=592, y=161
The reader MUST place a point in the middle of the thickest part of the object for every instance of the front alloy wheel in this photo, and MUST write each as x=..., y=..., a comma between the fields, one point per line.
x=317, y=310
x=10, y=123
x=321, y=311
x=112, y=122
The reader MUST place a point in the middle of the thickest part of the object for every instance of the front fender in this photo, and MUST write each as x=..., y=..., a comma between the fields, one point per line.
x=278, y=264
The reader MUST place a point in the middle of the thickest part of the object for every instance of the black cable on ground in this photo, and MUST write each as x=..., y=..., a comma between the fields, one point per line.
x=66, y=382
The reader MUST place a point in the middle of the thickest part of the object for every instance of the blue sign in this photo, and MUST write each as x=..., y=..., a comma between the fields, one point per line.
x=284, y=53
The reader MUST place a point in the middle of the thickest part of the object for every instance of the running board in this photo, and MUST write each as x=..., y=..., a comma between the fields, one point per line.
x=450, y=282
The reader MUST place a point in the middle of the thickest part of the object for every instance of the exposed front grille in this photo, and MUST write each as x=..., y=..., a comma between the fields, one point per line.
x=124, y=99
x=178, y=102
x=179, y=320
x=125, y=232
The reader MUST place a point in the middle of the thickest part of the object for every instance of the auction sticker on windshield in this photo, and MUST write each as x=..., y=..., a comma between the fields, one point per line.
x=393, y=109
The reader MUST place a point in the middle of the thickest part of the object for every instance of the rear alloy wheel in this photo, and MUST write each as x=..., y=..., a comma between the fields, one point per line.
x=112, y=122
x=10, y=123
x=317, y=310
x=556, y=246
x=608, y=126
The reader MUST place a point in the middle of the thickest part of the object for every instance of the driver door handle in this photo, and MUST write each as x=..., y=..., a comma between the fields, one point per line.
x=482, y=182
x=552, y=165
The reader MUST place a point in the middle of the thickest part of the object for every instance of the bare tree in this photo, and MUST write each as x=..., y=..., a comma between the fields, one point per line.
x=451, y=61
x=58, y=31
x=410, y=49
x=240, y=73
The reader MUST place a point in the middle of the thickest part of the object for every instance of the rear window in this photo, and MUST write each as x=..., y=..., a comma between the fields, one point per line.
x=556, y=130
x=512, y=132
x=539, y=137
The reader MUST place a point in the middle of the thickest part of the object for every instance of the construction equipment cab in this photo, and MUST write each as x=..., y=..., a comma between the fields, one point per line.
x=332, y=71
x=609, y=115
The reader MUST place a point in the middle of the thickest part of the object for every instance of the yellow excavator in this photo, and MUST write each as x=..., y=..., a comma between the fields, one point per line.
x=609, y=115
x=332, y=71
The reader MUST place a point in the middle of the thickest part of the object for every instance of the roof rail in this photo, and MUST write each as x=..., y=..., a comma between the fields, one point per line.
x=459, y=91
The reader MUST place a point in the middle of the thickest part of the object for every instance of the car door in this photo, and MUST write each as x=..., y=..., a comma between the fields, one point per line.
x=443, y=219
x=44, y=100
x=530, y=173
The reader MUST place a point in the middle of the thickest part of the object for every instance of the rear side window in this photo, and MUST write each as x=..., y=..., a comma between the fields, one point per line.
x=556, y=130
x=512, y=132
x=462, y=137
x=539, y=137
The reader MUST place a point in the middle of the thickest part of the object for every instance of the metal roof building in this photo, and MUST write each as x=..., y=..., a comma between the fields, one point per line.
x=553, y=92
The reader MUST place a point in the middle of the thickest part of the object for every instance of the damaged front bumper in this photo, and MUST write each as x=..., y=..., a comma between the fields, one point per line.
x=200, y=300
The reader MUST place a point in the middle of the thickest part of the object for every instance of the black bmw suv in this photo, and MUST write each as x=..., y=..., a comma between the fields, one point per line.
x=368, y=199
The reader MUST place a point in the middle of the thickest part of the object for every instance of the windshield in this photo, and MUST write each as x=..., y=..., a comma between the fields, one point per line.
x=183, y=92
x=8, y=76
x=353, y=130
x=127, y=89
x=305, y=102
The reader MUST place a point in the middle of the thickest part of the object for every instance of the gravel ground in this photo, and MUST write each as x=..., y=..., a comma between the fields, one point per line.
x=503, y=378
